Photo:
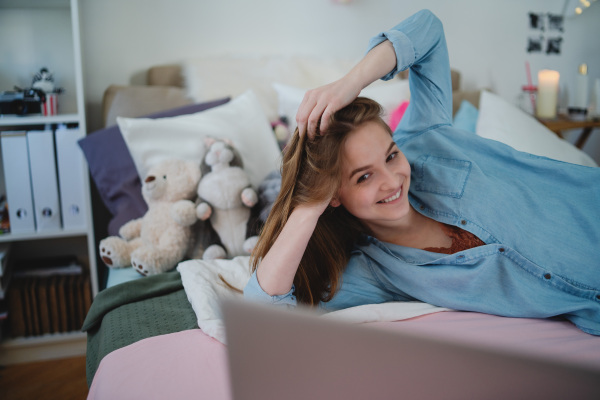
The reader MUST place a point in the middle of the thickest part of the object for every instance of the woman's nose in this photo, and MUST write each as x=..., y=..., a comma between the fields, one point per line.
x=389, y=180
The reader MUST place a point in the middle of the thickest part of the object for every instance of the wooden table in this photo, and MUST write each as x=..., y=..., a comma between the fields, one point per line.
x=564, y=123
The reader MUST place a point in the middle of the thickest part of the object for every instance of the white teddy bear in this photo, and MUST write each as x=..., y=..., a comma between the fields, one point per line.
x=226, y=198
x=160, y=239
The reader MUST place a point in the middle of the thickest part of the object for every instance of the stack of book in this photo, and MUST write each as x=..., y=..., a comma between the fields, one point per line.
x=48, y=297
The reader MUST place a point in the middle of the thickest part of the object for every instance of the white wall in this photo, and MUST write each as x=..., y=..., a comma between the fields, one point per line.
x=486, y=39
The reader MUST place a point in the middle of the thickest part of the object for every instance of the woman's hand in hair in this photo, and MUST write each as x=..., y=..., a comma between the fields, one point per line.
x=319, y=105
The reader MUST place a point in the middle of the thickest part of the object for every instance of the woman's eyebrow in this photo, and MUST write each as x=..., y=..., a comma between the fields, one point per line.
x=365, y=167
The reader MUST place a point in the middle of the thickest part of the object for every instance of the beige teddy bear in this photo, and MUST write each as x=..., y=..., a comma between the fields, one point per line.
x=157, y=241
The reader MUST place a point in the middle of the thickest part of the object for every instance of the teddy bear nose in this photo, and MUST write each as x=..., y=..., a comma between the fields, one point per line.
x=149, y=179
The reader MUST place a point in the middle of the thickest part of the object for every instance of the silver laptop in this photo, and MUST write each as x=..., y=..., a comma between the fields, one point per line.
x=295, y=354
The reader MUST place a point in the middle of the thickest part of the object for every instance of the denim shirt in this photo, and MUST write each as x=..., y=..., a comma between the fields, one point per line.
x=539, y=218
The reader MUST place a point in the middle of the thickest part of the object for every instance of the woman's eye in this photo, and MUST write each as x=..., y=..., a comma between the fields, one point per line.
x=363, y=178
x=392, y=156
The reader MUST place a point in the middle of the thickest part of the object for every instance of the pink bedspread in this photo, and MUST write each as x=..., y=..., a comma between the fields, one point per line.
x=190, y=364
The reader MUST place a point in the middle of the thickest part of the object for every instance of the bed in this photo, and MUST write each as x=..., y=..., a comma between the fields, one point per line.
x=162, y=336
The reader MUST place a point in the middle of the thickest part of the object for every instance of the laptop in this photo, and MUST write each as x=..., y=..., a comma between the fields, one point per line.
x=295, y=354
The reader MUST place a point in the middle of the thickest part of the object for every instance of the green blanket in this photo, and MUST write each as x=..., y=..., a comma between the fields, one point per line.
x=135, y=310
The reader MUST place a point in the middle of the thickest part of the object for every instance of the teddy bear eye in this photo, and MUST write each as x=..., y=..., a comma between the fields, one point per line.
x=164, y=177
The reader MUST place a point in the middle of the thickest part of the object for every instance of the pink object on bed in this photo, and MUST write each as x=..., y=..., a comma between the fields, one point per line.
x=182, y=365
x=552, y=339
x=190, y=364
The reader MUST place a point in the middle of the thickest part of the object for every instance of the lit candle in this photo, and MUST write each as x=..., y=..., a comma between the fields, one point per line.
x=547, y=93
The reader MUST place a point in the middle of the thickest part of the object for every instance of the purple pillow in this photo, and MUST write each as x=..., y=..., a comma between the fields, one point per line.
x=114, y=172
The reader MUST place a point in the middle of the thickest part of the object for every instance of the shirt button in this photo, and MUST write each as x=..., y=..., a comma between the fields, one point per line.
x=547, y=276
x=463, y=222
x=501, y=249
x=422, y=207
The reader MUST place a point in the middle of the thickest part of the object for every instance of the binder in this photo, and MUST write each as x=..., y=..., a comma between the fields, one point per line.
x=43, y=180
x=71, y=178
x=15, y=161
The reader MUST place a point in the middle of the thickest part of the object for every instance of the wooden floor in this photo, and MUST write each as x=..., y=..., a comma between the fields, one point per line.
x=56, y=379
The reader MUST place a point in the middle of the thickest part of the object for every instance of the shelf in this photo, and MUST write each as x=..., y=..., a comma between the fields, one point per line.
x=45, y=347
x=45, y=33
x=39, y=120
x=34, y=3
x=12, y=237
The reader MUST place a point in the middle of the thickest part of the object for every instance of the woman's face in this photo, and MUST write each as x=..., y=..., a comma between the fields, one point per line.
x=375, y=177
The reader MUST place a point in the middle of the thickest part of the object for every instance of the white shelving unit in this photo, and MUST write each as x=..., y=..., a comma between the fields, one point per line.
x=36, y=34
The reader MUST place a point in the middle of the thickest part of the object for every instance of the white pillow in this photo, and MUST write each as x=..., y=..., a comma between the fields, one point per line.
x=230, y=75
x=501, y=121
x=389, y=94
x=241, y=120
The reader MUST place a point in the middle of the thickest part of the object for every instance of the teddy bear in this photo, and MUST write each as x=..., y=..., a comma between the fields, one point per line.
x=158, y=240
x=226, y=199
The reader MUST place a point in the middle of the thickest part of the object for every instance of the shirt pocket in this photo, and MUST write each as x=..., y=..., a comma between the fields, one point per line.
x=439, y=175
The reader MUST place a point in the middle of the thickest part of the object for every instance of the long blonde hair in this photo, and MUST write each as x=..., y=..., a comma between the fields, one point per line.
x=311, y=173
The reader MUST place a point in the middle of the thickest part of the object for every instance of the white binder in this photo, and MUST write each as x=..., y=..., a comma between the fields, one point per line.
x=71, y=178
x=43, y=180
x=15, y=160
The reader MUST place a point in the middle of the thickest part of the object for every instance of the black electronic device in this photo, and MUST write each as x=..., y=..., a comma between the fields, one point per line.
x=22, y=102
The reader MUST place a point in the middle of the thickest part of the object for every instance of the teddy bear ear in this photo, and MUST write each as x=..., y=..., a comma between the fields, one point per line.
x=228, y=142
x=209, y=141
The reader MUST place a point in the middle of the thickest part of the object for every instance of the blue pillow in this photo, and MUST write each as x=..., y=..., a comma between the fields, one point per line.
x=466, y=117
x=114, y=173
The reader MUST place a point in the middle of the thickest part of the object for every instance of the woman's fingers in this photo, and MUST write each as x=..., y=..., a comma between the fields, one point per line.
x=309, y=113
x=314, y=124
x=319, y=105
x=314, y=111
x=303, y=113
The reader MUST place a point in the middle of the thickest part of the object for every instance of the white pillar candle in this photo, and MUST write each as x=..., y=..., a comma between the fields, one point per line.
x=547, y=97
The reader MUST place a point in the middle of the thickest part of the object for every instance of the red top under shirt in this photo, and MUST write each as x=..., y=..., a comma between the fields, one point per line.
x=461, y=240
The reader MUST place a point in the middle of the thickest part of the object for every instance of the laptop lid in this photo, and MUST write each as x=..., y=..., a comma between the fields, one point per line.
x=295, y=354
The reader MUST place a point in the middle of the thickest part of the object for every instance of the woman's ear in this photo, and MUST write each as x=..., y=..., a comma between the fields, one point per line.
x=335, y=202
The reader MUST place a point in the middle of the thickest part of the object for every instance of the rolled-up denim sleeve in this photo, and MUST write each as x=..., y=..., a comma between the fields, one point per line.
x=420, y=46
x=253, y=291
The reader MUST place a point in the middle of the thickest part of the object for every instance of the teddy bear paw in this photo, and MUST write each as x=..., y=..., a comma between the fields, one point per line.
x=203, y=211
x=183, y=212
x=113, y=252
x=139, y=268
x=249, y=197
x=249, y=244
x=147, y=261
x=214, y=252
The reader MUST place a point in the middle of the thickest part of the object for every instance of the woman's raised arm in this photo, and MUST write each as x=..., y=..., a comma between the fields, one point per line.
x=417, y=43
x=321, y=103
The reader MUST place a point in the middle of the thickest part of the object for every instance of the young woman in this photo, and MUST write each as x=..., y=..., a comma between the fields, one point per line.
x=433, y=213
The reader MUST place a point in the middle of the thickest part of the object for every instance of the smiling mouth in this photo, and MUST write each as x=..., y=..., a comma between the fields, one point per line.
x=392, y=198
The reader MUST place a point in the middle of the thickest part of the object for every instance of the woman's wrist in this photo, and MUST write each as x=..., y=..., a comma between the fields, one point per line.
x=309, y=212
x=375, y=65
